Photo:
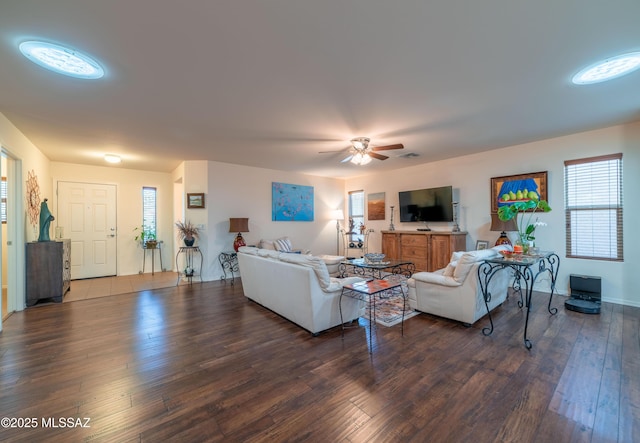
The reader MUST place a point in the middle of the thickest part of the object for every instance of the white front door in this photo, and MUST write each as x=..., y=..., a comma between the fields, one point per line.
x=87, y=215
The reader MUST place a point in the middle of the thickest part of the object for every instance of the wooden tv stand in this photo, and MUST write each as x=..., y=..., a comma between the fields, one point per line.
x=428, y=250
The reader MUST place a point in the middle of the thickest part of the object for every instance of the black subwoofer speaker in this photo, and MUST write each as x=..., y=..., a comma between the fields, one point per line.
x=586, y=294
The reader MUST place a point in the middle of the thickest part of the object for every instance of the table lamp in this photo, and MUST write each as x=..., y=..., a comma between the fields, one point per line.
x=504, y=226
x=238, y=225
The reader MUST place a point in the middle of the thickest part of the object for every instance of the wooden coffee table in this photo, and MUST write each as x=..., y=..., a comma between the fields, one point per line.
x=366, y=291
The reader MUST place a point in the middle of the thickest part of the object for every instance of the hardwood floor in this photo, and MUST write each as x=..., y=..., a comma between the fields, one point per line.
x=202, y=363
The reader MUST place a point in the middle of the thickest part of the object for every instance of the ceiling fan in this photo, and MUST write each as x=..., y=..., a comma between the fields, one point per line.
x=361, y=154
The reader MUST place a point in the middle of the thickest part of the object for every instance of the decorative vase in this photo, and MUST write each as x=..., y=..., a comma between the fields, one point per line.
x=239, y=241
x=522, y=246
x=189, y=241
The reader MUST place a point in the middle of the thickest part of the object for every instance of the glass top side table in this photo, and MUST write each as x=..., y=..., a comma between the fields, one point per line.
x=526, y=268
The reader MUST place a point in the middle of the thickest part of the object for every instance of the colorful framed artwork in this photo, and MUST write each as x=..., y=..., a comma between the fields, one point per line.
x=291, y=202
x=195, y=201
x=512, y=188
x=375, y=206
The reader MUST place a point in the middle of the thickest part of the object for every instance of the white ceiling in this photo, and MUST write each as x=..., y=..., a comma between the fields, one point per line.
x=272, y=83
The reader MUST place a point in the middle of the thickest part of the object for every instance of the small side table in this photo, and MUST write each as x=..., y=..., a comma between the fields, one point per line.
x=366, y=291
x=158, y=248
x=229, y=262
x=190, y=253
x=526, y=268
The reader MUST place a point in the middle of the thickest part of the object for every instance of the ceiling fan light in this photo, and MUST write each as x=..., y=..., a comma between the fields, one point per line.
x=357, y=158
x=360, y=143
x=366, y=159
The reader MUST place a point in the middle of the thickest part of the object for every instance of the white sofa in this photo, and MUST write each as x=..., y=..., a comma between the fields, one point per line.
x=454, y=292
x=282, y=244
x=297, y=287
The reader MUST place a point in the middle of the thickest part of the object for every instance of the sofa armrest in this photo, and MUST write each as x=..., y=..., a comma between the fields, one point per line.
x=436, y=278
x=338, y=283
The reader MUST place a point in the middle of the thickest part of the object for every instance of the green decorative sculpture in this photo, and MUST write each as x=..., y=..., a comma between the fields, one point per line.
x=45, y=221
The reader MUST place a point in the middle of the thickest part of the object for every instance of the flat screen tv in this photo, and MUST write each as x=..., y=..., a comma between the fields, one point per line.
x=426, y=205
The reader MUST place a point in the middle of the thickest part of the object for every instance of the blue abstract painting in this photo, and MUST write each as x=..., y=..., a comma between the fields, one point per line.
x=291, y=202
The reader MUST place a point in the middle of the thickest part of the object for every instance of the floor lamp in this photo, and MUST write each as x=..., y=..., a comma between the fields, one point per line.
x=337, y=215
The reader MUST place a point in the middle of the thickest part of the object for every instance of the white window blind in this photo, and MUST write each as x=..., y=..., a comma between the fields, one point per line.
x=593, y=207
x=356, y=212
x=149, y=218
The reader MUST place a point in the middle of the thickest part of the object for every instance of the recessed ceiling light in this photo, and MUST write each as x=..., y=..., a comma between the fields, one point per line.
x=112, y=158
x=608, y=69
x=61, y=60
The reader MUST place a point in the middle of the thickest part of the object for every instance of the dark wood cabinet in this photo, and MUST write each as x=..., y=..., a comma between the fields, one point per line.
x=48, y=266
x=427, y=250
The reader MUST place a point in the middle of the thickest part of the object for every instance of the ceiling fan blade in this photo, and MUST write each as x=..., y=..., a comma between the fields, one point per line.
x=388, y=147
x=335, y=150
x=378, y=156
x=347, y=159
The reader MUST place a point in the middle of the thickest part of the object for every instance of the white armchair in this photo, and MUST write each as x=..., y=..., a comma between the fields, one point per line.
x=454, y=292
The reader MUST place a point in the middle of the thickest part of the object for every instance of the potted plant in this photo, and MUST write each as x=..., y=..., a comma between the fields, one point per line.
x=526, y=229
x=188, y=232
x=146, y=236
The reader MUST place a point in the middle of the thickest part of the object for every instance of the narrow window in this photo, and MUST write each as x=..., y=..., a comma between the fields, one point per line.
x=149, y=216
x=356, y=214
x=3, y=199
x=593, y=207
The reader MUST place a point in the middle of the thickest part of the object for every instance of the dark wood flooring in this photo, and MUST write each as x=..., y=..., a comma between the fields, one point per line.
x=202, y=363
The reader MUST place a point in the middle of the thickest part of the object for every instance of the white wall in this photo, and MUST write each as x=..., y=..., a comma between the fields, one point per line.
x=129, y=185
x=27, y=158
x=239, y=191
x=470, y=176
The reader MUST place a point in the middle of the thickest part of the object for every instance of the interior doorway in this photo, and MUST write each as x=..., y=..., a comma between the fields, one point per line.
x=12, y=277
x=3, y=234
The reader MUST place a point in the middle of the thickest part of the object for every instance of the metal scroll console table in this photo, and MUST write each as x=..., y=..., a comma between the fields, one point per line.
x=189, y=271
x=364, y=268
x=229, y=262
x=527, y=268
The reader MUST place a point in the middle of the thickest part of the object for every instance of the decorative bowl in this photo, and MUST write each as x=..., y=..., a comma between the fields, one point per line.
x=506, y=254
x=374, y=257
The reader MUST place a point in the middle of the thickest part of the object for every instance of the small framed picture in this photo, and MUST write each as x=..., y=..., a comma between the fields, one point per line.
x=482, y=244
x=195, y=201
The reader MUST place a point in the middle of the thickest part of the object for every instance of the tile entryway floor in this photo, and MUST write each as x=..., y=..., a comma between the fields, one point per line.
x=105, y=286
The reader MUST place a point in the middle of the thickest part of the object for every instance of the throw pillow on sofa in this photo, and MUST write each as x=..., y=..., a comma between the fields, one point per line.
x=283, y=244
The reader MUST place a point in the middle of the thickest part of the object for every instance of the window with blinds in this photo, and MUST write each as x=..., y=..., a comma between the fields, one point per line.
x=593, y=207
x=149, y=216
x=3, y=199
x=356, y=212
